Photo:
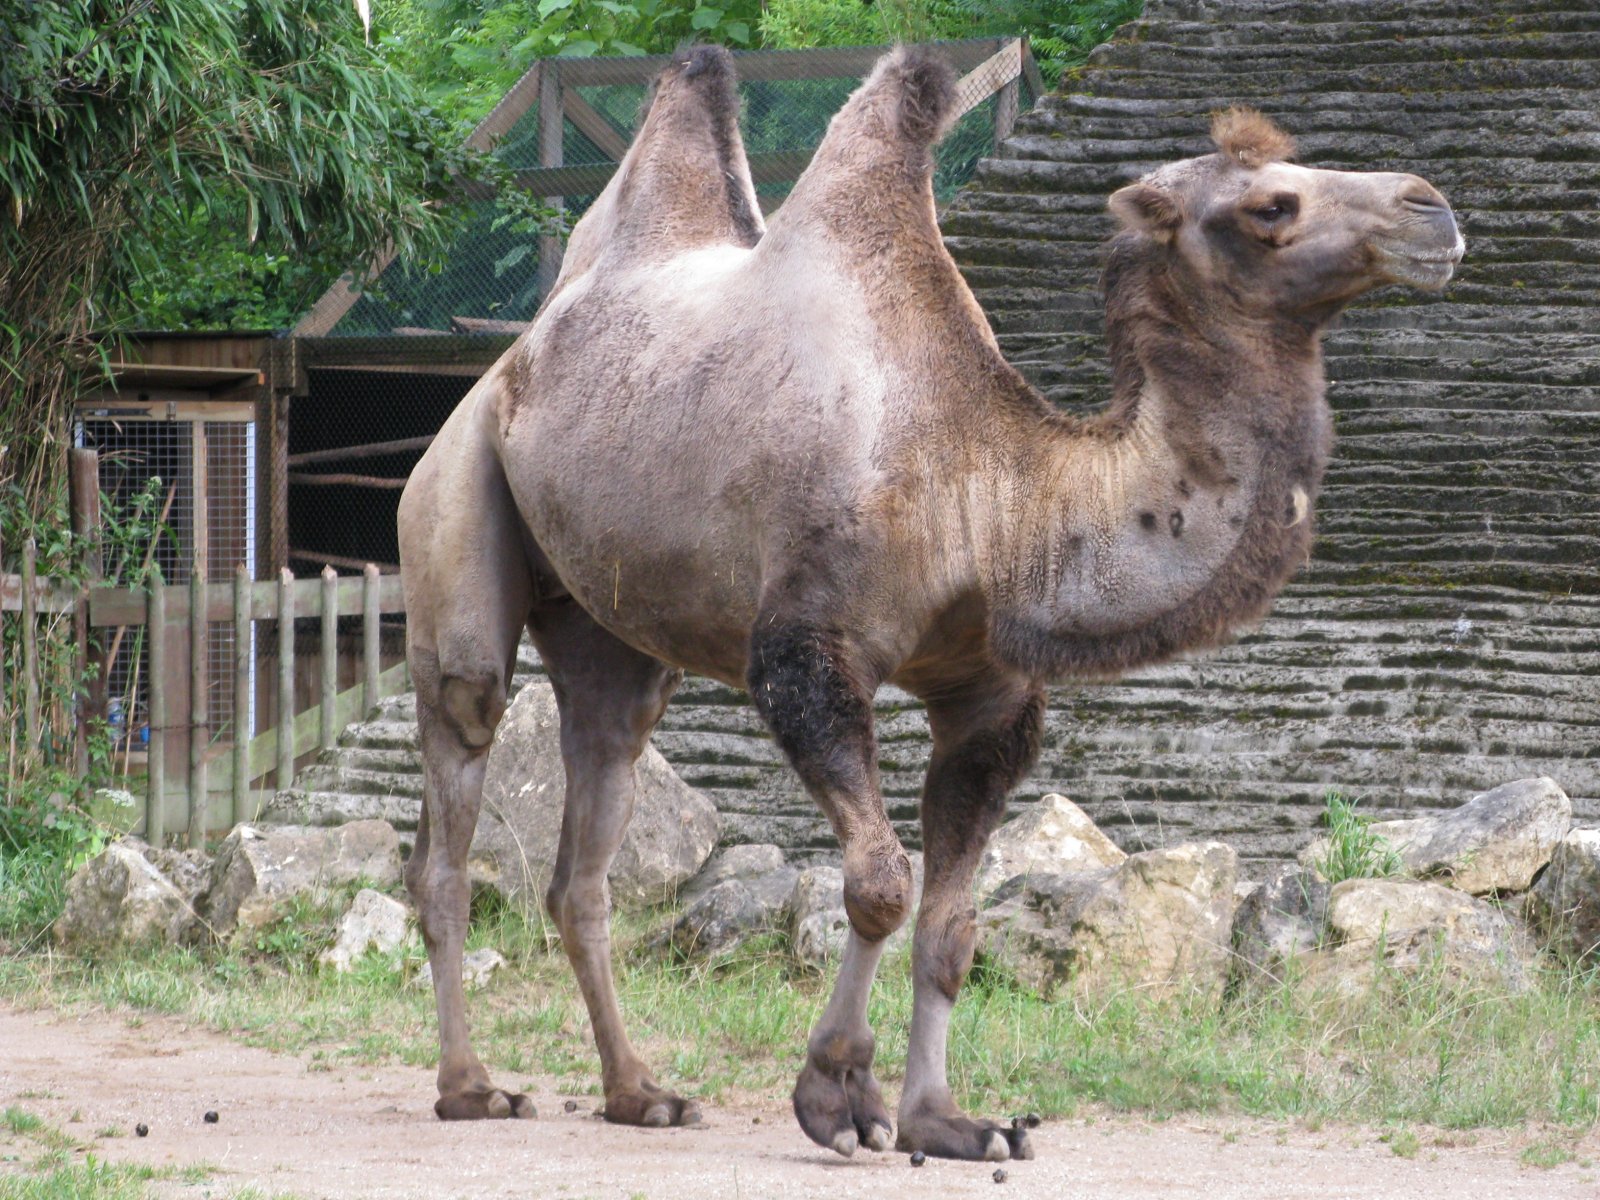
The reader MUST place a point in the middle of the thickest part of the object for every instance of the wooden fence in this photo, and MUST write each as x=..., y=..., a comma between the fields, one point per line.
x=223, y=782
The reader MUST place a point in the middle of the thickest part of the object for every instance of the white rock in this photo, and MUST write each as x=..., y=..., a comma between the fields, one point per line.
x=119, y=898
x=1052, y=837
x=477, y=968
x=673, y=830
x=372, y=922
x=1565, y=903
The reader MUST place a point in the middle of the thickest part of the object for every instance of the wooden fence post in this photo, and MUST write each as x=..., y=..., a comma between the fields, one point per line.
x=285, y=678
x=89, y=695
x=241, y=694
x=369, y=637
x=552, y=118
x=199, y=714
x=3, y=705
x=30, y=646
x=330, y=657
x=155, y=815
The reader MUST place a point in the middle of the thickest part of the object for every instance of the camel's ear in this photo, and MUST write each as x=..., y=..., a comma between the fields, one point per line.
x=1147, y=208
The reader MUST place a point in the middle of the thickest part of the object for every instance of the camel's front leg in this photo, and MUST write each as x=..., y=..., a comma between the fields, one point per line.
x=983, y=745
x=819, y=709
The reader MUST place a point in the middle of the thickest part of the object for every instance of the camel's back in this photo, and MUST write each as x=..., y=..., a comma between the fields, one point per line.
x=669, y=432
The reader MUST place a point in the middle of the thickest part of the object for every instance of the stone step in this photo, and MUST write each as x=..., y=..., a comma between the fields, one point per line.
x=1502, y=108
x=1228, y=75
x=1323, y=11
x=1249, y=57
x=1352, y=29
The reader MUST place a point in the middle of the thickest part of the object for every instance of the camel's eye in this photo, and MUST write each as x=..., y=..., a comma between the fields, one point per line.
x=1275, y=211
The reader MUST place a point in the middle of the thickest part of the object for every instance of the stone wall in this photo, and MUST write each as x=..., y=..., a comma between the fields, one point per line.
x=1446, y=637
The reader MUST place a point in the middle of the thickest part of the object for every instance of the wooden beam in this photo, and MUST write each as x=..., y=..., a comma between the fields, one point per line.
x=330, y=657
x=592, y=125
x=199, y=707
x=988, y=77
x=241, y=692
x=30, y=646
x=89, y=701
x=513, y=106
x=341, y=560
x=345, y=479
x=156, y=404
x=266, y=749
x=155, y=811
x=551, y=129
x=127, y=606
x=365, y=450
x=341, y=297
x=286, y=743
x=370, y=644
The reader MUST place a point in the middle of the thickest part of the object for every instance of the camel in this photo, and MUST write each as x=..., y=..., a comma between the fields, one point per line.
x=791, y=457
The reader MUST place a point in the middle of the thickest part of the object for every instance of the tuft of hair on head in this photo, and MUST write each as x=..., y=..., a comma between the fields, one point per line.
x=1249, y=138
x=694, y=59
x=926, y=84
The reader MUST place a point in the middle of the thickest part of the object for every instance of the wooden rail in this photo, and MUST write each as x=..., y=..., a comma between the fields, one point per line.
x=223, y=783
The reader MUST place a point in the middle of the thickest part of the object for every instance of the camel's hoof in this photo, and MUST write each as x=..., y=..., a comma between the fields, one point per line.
x=651, y=1107
x=956, y=1136
x=842, y=1110
x=488, y=1104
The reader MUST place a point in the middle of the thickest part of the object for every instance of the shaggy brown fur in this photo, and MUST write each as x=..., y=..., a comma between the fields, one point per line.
x=796, y=461
x=1249, y=138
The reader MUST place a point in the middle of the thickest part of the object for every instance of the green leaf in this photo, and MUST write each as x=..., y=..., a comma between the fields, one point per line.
x=546, y=7
x=738, y=31
x=583, y=48
x=704, y=18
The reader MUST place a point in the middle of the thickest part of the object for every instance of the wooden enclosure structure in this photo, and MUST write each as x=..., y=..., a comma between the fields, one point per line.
x=216, y=782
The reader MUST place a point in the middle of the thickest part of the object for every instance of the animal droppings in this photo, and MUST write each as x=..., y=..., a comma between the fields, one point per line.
x=999, y=1174
x=570, y=1106
x=211, y=1117
x=918, y=1158
x=141, y=1129
x=1034, y=1120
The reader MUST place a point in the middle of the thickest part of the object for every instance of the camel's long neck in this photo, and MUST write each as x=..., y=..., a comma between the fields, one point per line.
x=1177, y=515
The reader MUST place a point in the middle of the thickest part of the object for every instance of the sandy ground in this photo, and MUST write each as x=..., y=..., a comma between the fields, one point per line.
x=369, y=1133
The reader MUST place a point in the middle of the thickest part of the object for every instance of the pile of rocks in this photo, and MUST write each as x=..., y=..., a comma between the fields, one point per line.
x=1480, y=891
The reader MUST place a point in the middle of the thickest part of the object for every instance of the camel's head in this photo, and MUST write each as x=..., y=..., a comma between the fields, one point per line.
x=1279, y=239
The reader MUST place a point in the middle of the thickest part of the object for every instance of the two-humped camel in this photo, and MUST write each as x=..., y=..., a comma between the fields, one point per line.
x=793, y=459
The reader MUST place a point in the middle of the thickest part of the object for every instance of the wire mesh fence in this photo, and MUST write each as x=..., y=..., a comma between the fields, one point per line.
x=388, y=363
x=206, y=484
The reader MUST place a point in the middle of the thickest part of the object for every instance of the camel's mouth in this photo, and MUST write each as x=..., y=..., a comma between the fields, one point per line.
x=1428, y=270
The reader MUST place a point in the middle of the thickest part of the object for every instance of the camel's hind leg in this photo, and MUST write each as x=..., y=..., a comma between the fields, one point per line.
x=983, y=744
x=468, y=592
x=610, y=696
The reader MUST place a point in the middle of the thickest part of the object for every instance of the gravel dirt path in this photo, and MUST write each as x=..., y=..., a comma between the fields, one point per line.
x=369, y=1134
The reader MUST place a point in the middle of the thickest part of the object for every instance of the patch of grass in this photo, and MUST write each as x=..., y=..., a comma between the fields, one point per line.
x=54, y=1176
x=21, y=1121
x=1403, y=1143
x=1429, y=1051
x=1547, y=1153
x=1354, y=850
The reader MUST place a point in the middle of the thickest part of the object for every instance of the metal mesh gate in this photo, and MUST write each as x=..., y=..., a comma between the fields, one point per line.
x=206, y=501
